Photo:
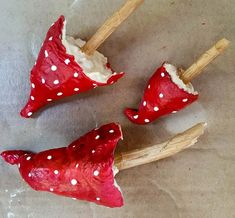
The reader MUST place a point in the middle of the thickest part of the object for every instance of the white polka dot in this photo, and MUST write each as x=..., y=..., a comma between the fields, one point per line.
x=111, y=131
x=56, y=172
x=46, y=53
x=50, y=39
x=29, y=174
x=67, y=61
x=77, y=165
x=28, y=158
x=53, y=68
x=93, y=151
x=173, y=112
x=59, y=93
x=156, y=109
x=76, y=89
x=43, y=81
x=136, y=117
x=52, y=24
x=97, y=137
x=32, y=98
x=49, y=157
x=74, y=146
x=75, y=74
x=146, y=121
x=51, y=189
x=96, y=173
x=19, y=165
x=162, y=74
x=149, y=86
x=185, y=100
x=161, y=95
x=35, y=63
x=56, y=82
x=144, y=103
x=30, y=114
x=74, y=198
x=49, y=99
x=95, y=85
x=98, y=199
x=33, y=85
x=74, y=182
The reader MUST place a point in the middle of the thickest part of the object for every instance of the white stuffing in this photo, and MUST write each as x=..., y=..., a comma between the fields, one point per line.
x=175, y=78
x=93, y=66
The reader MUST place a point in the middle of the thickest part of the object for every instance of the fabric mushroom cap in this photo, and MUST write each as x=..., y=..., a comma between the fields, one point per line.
x=166, y=93
x=84, y=170
x=63, y=70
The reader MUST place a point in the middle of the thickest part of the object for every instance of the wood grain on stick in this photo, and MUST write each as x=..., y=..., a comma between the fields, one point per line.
x=110, y=26
x=204, y=60
x=147, y=155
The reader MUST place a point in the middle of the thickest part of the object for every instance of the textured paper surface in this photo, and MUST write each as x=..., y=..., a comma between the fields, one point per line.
x=196, y=183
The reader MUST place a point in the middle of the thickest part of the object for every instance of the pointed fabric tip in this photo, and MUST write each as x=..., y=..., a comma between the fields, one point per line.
x=83, y=170
x=165, y=94
x=13, y=157
x=56, y=74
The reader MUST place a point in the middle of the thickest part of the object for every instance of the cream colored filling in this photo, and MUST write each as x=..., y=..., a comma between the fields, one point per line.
x=93, y=66
x=175, y=79
x=115, y=172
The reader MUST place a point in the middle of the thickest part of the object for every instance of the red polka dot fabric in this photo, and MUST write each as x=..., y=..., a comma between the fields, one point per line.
x=83, y=170
x=161, y=97
x=56, y=74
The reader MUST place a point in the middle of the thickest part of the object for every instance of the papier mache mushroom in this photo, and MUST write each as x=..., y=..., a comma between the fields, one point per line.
x=170, y=90
x=85, y=170
x=68, y=66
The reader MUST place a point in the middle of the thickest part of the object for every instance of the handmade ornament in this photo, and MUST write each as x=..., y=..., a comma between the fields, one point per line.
x=169, y=90
x=85, y=170
x=66, y=66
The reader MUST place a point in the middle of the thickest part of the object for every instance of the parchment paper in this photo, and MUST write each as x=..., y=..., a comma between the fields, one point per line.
x=196, y=183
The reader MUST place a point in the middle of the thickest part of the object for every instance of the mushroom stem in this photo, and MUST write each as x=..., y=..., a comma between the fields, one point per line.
x=110, y=26
x=166, y=149
x=204, y=60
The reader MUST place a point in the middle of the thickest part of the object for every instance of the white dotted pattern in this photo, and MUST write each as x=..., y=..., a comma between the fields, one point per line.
x=97, y=137
x=136, y=117
x=74, y=182
x=56, y=82
x=185, y=100
x=59, y=93
x=49, y=157
x=156, y=109
x=53, y=68
x=146, y=121
x=144, y=103
x=46, y=53
x=30, y=114
x=67, y=61
x=161, y=95
x=96, y=173
x=75, y=75
x=56, y=172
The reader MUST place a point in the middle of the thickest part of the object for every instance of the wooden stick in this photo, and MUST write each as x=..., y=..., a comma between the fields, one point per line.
x=204, y=60
x=147, y=155
x=110, y=26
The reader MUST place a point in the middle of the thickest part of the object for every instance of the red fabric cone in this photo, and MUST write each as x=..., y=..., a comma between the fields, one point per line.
x=56, y=74
x=161, y=97
x=83, y=170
